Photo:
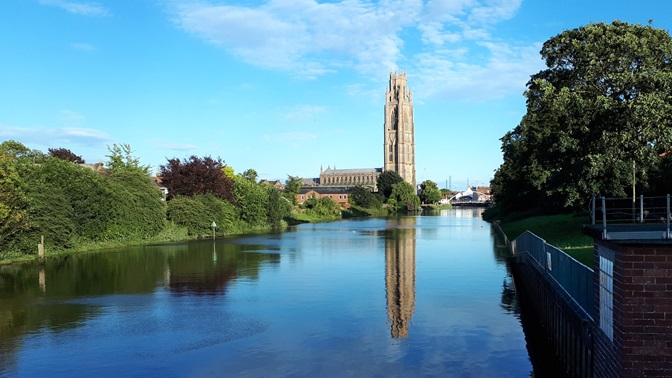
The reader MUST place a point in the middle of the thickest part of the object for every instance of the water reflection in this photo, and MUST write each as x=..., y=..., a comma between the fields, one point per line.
x=400, y=275
x=84, y=287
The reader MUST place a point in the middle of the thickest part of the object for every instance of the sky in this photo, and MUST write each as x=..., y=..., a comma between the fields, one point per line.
x=284, y=87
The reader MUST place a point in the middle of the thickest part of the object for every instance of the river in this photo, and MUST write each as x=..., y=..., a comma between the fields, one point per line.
x=412, y=296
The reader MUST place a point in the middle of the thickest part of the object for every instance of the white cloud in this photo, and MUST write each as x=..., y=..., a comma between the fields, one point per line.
x=48, y=136
x=304, y=112
x=449, y=74
x=304, y=36
x=86, y=47
x=294, y=136
x=448, y=45
x=71, y=116
x=80, y=8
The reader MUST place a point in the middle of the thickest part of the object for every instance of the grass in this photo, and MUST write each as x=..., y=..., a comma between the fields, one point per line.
x=562, y=231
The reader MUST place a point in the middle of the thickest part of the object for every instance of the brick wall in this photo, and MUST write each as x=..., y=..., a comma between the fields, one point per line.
x=642, y=311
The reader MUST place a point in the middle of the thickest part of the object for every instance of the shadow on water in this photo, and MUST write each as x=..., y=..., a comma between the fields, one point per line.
x=545, y=363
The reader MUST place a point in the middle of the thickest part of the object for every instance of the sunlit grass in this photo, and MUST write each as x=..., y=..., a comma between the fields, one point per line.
x=562, y=231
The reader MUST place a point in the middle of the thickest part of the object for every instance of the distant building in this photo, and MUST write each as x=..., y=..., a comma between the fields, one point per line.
x=398, y=143
x=399, y=153
x=349, y=177
x=276, y=183
x=338, y=195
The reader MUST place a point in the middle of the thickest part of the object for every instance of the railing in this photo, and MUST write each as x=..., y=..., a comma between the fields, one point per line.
x=618, y=217
x=573, y=277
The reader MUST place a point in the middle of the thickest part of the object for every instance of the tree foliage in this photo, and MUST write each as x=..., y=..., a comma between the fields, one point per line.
x=404, y=195
x=278, y=207
x=386, y=180
x=194, y=176
x=12, y=202
x=252, y=200
x=18, y=151
x=601, y=106
x=121, y=159
x=65, y=154
x=322, y=207
x=250, y=175
x=363, y=197
x=429, y=192
x=292, y=188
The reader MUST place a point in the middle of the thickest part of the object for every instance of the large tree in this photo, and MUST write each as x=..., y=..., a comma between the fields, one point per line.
x=403, y=195
x=189, y=177
x=599, y=111
x=429, y=192
x=386, y=180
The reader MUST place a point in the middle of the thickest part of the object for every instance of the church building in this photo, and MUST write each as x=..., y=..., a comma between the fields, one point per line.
x=398, y=142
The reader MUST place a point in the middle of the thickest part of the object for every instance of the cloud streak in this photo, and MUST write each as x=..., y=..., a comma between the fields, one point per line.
x=79, y=8
x=47, y=136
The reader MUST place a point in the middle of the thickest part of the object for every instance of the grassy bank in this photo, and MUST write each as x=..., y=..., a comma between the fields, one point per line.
x=562, y=231
x=170, y=233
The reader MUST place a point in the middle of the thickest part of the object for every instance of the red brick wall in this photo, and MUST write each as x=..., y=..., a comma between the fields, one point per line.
x=343, y=200
x=642, y=315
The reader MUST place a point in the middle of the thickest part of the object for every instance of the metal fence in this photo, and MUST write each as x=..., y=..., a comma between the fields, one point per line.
x=575, y=278
x=632, y=218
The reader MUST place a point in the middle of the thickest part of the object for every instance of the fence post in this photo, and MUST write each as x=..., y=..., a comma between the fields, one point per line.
x=669, y=236
x=604, y=219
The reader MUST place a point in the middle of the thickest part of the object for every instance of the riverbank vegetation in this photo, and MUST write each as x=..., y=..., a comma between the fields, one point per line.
x=598, y=114
x=82, y=207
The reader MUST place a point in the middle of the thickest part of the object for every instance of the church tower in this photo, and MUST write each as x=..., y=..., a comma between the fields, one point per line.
x=399, y=129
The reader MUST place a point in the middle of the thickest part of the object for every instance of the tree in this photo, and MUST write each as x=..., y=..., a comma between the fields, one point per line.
x=65, y=154
x=122, y=159
x=250, y=175
x=363, y=197
x=386, y=180
x=601, y=105
x=429, y=192
x=189, y=177
x=18, y=151
x=12, y=202
x=292, y=188
x=278, y=207
x=403, y=194
x=252, y=200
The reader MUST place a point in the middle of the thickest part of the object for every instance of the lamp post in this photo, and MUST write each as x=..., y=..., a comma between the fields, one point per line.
x=213, y=225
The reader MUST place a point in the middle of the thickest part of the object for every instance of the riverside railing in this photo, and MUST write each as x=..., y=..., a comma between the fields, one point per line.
x=632, y=218
x=573, y=277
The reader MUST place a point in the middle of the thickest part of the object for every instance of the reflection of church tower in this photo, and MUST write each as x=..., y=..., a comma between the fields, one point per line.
x=399, y=129
x=400, y=277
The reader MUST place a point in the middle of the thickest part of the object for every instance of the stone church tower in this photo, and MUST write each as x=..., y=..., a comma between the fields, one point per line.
x=399, y=129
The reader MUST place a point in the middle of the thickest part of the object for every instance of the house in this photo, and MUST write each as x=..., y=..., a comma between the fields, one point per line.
x=338, y=195
x=276, y=183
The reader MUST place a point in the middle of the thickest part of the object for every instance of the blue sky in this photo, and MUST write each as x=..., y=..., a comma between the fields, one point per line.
x=281, y=86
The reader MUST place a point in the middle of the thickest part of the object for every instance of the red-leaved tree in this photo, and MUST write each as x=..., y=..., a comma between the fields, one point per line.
x=189, y=177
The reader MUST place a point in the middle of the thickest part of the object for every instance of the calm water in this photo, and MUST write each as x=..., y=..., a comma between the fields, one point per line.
x=414, y=296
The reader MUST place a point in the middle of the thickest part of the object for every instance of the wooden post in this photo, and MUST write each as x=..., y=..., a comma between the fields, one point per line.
x=40, y=248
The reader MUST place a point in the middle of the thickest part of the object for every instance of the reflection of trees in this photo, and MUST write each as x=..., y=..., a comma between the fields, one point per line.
x=400, y=274
x=208, y=273
x=34, y=296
